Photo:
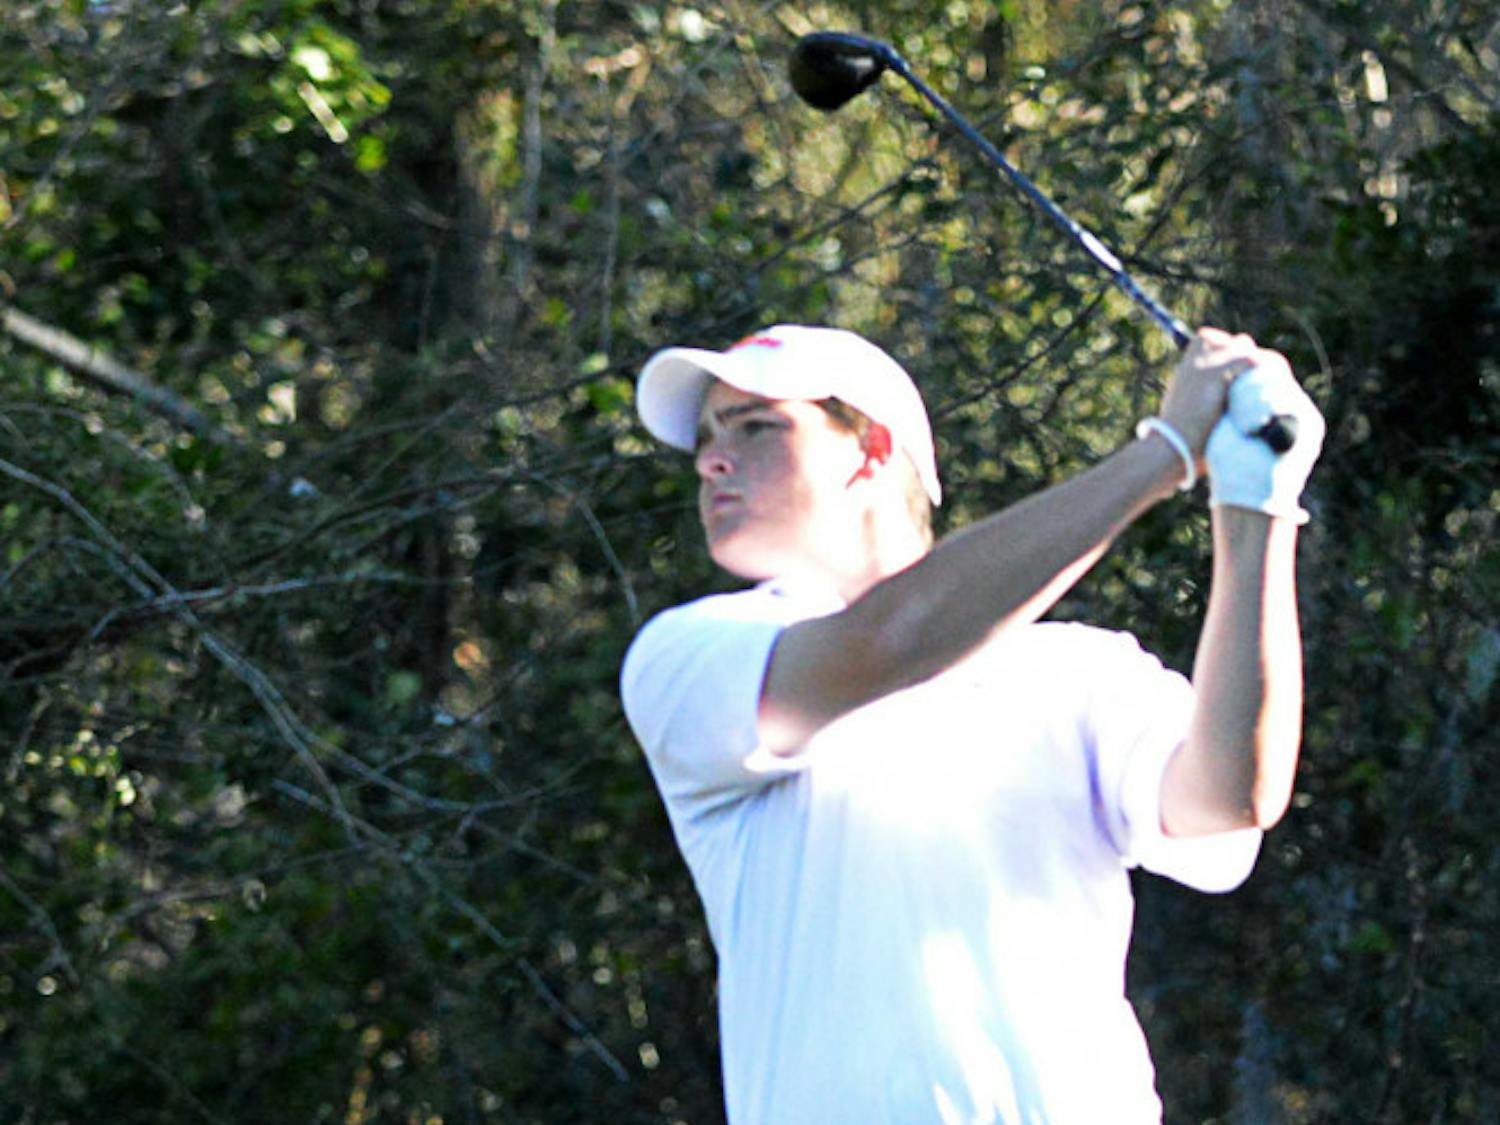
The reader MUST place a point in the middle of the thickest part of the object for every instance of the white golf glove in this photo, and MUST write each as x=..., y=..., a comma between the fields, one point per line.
x=1243, y=471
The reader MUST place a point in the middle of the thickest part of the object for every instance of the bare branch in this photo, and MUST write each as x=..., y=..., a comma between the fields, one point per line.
x=143, y=577
x=43, y=921
x=102, y=369
x=476, y=916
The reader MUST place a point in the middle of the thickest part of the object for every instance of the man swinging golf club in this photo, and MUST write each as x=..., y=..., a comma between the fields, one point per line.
x=910, y=808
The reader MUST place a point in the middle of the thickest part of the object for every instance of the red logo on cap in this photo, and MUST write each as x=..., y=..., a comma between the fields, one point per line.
x=756, y=341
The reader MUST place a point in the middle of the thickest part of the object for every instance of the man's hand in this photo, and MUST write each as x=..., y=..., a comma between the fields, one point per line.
x=1196, y=395
x=1243, y=472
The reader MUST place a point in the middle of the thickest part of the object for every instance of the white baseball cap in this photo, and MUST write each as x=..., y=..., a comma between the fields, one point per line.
x=790, y=362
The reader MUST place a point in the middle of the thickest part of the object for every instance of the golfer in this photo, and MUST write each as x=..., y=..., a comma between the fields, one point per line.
x=908, y=806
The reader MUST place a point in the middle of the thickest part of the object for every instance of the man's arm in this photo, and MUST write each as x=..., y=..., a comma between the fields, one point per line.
x=1005, y=570
x=1236, y=766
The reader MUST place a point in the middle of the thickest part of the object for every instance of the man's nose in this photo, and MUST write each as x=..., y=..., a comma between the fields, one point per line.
x=712, y=460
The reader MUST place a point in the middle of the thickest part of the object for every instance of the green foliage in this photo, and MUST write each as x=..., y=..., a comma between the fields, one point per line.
x=319, y=804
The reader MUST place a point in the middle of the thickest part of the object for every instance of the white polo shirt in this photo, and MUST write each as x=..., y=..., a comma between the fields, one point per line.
x=924, y=915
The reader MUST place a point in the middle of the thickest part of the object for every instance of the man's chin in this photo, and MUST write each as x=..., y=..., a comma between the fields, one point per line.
x=732, y=556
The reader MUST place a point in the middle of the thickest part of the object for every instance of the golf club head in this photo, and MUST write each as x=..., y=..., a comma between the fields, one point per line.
x=828, y=68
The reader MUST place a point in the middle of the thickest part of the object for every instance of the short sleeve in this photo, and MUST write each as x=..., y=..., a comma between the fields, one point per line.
x=1139, y=712
x=691, y=686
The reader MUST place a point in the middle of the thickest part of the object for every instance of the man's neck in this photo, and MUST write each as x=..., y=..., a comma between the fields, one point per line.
x=885, y=558
x=851, y=565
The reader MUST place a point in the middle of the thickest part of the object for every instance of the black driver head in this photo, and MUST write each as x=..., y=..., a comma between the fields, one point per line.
x=830, y=67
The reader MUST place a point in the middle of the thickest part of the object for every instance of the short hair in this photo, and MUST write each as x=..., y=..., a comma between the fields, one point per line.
x=858, y=423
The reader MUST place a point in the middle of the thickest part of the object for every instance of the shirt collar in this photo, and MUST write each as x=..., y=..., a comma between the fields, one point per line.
x=818, y=597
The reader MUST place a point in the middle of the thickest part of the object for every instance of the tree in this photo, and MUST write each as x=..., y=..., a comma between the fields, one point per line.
x=319, y=804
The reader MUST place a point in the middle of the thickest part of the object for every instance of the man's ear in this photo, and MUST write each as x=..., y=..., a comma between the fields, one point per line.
x=876, y=447
x=876, y=443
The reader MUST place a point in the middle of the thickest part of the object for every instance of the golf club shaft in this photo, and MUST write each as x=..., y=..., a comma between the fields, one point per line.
x=1084, y=238
x=1279, y=433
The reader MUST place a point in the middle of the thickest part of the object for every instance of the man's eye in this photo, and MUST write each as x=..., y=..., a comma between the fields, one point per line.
x=756, y=426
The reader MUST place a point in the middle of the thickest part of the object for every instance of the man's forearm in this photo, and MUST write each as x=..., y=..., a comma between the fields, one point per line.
x=1237, y=765
x=1006, y=569
x=1012, y=567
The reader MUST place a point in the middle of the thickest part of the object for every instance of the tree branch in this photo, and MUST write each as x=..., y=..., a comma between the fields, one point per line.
x=105, y=371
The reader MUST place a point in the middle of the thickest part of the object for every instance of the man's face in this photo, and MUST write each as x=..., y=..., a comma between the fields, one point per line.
x=774, y=480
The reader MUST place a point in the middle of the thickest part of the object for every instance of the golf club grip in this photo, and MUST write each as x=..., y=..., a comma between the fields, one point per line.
x=1280, y=433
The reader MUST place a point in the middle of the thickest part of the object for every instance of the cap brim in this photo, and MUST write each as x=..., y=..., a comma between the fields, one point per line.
x=670, y=393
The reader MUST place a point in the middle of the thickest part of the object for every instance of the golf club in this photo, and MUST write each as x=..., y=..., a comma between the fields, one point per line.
x=828, y=68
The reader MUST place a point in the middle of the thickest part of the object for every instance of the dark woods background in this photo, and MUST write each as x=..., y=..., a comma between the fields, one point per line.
x=324, y=520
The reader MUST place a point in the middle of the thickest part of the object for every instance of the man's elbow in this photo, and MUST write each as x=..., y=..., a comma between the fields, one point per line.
x=1202, y=796
x=1275, y=777
x=1268, y=804
x=819, y=670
